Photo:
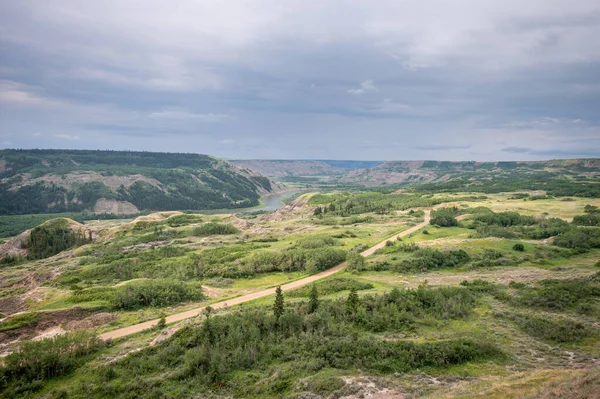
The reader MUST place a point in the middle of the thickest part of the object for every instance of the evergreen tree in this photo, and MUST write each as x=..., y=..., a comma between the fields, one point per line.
x=352, y=301
x=278, y=305
x=313, y=303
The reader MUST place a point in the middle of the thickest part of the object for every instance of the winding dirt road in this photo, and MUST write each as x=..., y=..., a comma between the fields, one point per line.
x=136, y=328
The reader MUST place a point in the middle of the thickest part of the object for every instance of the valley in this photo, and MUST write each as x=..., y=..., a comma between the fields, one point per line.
x=478, y=287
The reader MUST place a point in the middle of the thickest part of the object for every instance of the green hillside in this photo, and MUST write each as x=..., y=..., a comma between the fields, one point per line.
x=52, y=181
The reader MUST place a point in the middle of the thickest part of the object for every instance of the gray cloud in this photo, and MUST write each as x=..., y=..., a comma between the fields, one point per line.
x=262, y=78
x=442, y=147
x=517, y=150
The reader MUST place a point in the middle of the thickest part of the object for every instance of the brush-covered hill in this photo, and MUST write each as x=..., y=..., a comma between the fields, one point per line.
x=49, y=181
x=282, y=168
x=402, y=172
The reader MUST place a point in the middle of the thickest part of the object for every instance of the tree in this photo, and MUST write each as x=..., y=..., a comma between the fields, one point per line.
x=352, y=301
x=207, y=311
x=518, y=247
x=356, y=261
x=591, y=209
x=278, y=305
x=162, y=323
x=313, y=303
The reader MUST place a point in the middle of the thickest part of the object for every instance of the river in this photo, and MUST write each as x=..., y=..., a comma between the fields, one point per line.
x=272, y=202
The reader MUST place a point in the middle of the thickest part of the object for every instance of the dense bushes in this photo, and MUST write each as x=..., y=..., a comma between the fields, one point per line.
x=144, y=293
x=209, y=229
x=513, y=225
x=25, y=370
x=581, y=239
x=183, y=220
x=333, y=285
x=228, y=352
x=294, y=259
x=589, y=219
x=347, y=204
x=556, y=330
x=445, y=217
x=577, y=294
x=51, y=238
x=505, y=219
x=430, y=259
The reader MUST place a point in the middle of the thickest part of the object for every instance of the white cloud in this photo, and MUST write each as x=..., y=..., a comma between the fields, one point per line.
x=66, y=136
x=227, y=141
x=367, y=85
x=183, y=115
x=37, y=134
x=17, y=94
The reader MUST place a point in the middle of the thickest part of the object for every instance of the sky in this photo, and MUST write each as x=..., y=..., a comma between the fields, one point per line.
x=304, y=79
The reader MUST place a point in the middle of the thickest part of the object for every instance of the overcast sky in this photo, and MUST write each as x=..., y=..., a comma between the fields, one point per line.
x=310, y=79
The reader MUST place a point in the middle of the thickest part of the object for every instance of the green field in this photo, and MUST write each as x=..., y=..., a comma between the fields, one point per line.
x=456, y=303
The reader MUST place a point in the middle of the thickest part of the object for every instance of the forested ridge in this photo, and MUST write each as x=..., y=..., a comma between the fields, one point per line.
x=52, y=181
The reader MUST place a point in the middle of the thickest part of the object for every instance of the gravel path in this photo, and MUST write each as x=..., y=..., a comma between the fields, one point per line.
x=136, y=328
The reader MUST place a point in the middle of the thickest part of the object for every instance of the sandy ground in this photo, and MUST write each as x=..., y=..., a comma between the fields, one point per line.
x=125, y=331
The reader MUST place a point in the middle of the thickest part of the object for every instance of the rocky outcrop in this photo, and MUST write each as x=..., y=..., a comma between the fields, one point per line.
x=104, y=205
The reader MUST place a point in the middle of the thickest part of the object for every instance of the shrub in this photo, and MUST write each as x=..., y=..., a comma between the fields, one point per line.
x=445, y=217
x=589, y=219
x=37, y=361
x=331, y=286
x=518, y=247
x=559, y=294
x=581, y=239
x=51, y=238
x=428, y=259
x=156, y=293
x=220, y=282
x=209, y=229
x=183, y=220
x=556, y=330
x=355, y=261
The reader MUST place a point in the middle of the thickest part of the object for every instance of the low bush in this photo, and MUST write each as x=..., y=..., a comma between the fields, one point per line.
x=518, y=247
x=209, y=229
x=331, y=286
x=559, y=294
x=589, y=219
x=220, y=282
x=430, y=259
x=25, y=370
x=183, y=220
x=445, y=217
x=157, y=293
x=555, y=330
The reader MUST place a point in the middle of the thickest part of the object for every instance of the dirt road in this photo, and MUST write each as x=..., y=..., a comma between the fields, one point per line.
x=122, y=332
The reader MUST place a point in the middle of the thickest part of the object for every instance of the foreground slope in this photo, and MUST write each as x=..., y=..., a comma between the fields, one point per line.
x=122, y=182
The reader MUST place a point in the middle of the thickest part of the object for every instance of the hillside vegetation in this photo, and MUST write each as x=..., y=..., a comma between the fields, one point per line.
x=52, y=181
x=485, y=294
x=567, y=177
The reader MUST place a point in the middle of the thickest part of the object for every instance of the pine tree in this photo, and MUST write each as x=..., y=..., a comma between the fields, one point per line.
x=313, y=303
x=278, y=305
x=352, y=301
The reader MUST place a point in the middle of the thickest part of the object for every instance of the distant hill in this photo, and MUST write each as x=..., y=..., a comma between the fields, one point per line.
x=402, y=172
x=49, y=181
x=288, y=168
x=557, y=177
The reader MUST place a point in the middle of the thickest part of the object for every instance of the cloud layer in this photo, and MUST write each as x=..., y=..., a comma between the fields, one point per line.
x=467, y=79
